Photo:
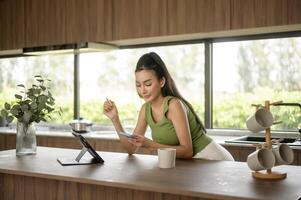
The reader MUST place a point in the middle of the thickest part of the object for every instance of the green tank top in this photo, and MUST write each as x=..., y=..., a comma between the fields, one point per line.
x=163, y=131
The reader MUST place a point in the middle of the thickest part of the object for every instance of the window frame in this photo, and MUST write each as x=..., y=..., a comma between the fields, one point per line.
x=208, y=68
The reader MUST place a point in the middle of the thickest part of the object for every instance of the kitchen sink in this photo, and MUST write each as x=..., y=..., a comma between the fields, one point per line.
x=261, y=139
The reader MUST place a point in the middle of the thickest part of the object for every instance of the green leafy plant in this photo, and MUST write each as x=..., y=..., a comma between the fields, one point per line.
x=34, y=104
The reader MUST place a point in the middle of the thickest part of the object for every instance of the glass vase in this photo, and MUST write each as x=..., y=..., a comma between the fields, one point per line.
x=26, y=142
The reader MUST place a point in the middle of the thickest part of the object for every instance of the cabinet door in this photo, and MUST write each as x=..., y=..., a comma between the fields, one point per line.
x=45, y=22
x=197, y=16
x=88, y=20
x=51, y=22
x=139, y=18
x=11, y=24
x=276, y=12
x=297, y=157
x=2, y=142
x=258, y=13
x=294, y=11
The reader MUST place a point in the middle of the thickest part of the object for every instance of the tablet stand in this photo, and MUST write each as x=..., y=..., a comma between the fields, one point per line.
x=81, y=154
x=78, y=160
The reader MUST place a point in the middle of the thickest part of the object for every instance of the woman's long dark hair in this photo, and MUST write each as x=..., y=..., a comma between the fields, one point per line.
x=152, y=61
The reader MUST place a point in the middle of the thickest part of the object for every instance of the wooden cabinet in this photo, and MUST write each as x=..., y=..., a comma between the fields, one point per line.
x=45, y=22
x=246, y=14
x=149, y=18
x=294, y=11
x=88, y=21
x=241, y=153
x=51, y=22
x=8, y=141
x=2, y=142
x=264, y=13
x=11, y=24
x=276, y=12
x=28, y=23
x=197, y=16
x=139, y=18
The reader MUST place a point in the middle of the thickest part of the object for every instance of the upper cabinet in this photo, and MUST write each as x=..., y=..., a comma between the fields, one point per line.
x=28, y=23
x=294, y=11
x=11, y=24
x=248, y=13
x=88, y=20
x=264, y=13
x=50, y=22
x=148, y=18
x=197, y=16
x=45, y=22
x=139, y=18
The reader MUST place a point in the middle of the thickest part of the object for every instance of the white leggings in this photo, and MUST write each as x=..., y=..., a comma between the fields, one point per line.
x=214, y=151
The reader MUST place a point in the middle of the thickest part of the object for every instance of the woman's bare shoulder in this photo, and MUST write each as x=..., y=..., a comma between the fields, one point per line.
x=143, y=106
x=176, y=106
x=142, y=109
x=175, y=103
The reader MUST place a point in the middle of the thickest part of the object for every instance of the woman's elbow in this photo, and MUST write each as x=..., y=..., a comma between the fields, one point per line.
x=187, y=155
x=130, y=151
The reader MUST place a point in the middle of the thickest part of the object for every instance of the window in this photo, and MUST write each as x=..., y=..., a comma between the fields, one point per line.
x=244, y=72
x=250, y=72
x=59, y=69
x=111, y=75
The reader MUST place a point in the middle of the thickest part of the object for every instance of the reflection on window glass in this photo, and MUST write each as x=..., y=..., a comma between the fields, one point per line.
x=59, y=69
x=111, y=75
x=250, y=72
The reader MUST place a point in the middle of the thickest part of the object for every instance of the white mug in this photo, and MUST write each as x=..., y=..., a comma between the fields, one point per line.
x=284, y=154
x=260, y=120
x=261, y=159
x=167, y=157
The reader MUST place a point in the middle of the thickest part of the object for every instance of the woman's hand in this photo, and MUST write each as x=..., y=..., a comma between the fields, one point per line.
x=110, y=109
x=141, y=141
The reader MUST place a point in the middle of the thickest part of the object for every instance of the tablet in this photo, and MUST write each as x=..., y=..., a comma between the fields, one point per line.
x=79, y=160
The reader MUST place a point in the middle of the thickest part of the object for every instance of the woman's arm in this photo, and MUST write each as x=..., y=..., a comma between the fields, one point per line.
x=110, y=110
x=138, y=131
x=178, y=115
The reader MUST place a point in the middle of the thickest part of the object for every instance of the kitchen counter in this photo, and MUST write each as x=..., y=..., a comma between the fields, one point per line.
x=107, y=140
x=103, y=134
x=136, y=177
x=217, y=135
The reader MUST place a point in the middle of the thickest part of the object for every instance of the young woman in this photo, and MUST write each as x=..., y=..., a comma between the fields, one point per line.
x=172, y=119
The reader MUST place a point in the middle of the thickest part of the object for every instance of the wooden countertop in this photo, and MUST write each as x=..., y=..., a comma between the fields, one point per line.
x=112, y=136
x=198, y=178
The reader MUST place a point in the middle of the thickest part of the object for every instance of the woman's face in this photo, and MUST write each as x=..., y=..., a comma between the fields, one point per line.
x=148, y=86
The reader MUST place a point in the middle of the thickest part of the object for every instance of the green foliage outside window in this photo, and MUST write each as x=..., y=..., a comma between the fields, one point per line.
x=241, y=109
x=239, y=105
